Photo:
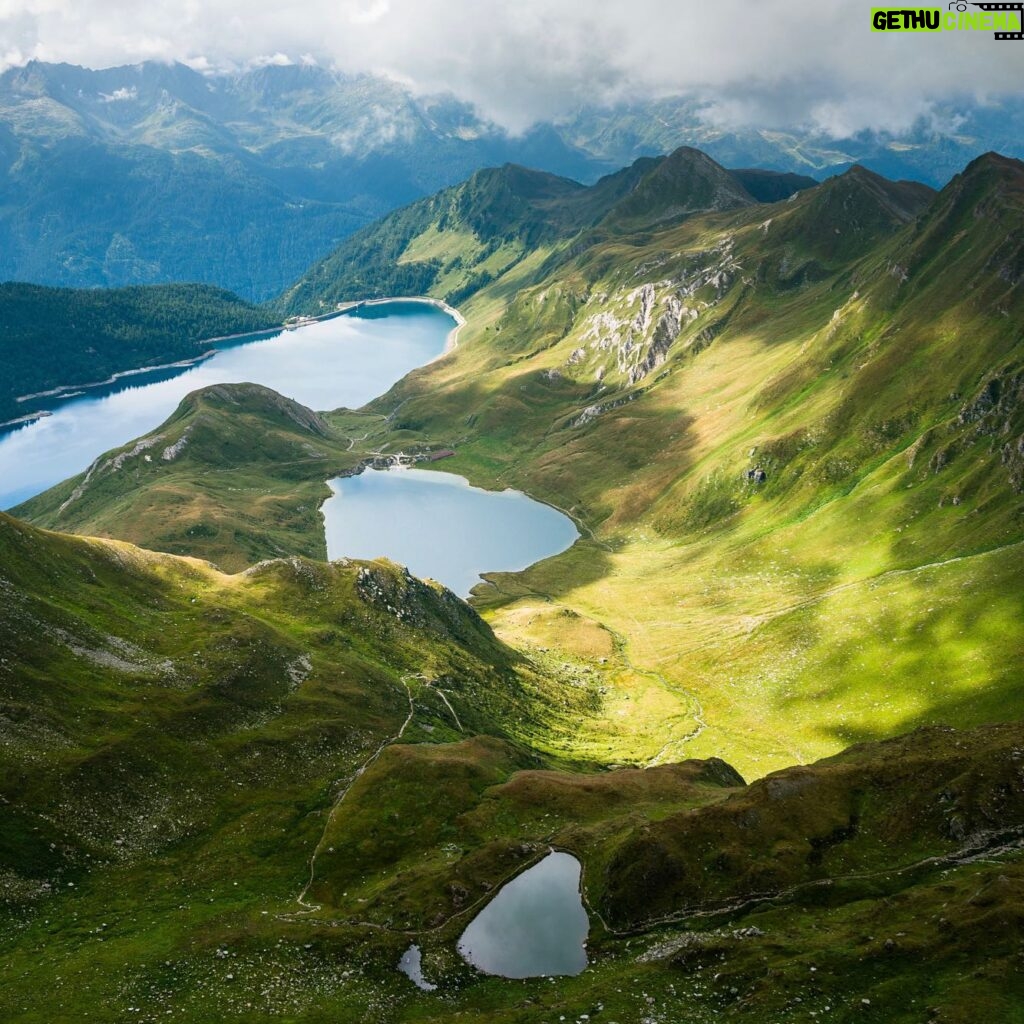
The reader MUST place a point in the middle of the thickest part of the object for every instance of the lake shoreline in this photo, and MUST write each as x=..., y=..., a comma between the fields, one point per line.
x=350, y=367
x=354, y=529
x=23, y=421
x=64, y=389
x=451, y=344
x=452, y=341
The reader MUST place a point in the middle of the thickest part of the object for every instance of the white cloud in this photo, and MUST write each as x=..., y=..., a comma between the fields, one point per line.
x=360, y=15
x=772, y=62
x=273, y=60
x=120, y=95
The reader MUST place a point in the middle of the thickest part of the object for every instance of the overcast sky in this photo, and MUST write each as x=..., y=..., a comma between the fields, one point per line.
x=764, y=62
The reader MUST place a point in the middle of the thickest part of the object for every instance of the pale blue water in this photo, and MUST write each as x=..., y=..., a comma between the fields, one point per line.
x=535, y=927
x=345, y=361
x=411, y=965
x=439, y=526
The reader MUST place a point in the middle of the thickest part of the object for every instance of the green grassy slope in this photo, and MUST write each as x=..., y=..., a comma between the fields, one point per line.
x=126, y=673
x=183, y=485
x=862, y=352
x=792, y=435
x=459, y=241
x=242, y=797
x=50, y=337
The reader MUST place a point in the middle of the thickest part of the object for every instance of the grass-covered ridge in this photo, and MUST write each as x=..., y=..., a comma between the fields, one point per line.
x=234, y=797
x=504, y=225
x=791, y=433
x=184, y=484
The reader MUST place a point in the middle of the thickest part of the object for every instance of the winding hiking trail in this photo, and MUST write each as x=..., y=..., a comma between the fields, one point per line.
x=310, y=908
x=448, y=705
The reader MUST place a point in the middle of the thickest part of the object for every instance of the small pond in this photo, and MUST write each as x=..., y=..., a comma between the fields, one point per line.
x=411, y=965
x=535, y=927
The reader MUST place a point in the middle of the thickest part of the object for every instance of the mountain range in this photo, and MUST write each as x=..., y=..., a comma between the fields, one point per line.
x=605, y=323
x=156, y=173
x=771, y=699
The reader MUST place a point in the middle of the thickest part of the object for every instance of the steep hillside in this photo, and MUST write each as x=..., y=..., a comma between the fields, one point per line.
x=790, y=433
x=52, y=337
x=245, y=796
x=783, y=425
x=505, y=223
x=168, y=489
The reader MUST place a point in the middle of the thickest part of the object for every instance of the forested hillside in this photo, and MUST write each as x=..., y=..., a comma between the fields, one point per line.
x=52, y=337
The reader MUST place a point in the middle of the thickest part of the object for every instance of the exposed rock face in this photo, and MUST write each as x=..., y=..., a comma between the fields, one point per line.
x=642, y=321
x=141, y=446
x=639, y=328
x=593, y=411
x=172, y=451
x=995, y=412
x=412, y=602
x=665, y=333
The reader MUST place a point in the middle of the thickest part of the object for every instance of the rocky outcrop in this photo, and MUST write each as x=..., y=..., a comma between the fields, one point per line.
x=667, y=330
x=996, y=412
x=172, y=451
x=640, y=328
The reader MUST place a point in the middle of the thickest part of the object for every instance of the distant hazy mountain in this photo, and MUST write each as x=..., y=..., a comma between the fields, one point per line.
x=932, y=152
x=155, y=173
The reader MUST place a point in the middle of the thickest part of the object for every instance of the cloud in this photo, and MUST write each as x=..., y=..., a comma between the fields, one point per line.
x=360, y=15
x=120, y=95
x=272, y=60
x=808, y=63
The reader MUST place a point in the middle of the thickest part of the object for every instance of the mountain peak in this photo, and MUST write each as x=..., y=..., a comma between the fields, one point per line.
x=684, y=183
x=524, y=182
x=859, y=191
x=993, y=161
x=988, y=194
x=253, y=399
x=988, y=172
x=847, y=215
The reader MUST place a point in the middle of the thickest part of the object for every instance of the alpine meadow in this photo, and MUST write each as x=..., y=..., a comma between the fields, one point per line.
x=747, y=744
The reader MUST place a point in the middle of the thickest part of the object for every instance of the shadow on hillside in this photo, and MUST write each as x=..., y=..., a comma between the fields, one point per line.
x=937, y=647
x=585, y=562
